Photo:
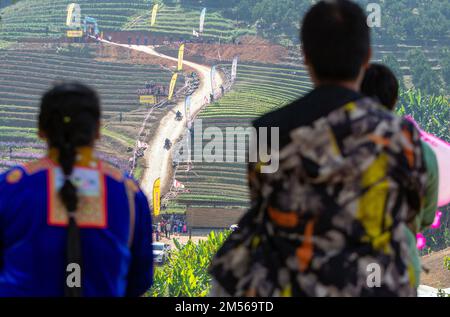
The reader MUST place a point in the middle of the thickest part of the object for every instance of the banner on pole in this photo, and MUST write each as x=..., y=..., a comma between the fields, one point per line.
x=173, y=82
x=154, y=13
x=234, y=69
x=157, y=197
x=73, y=15
x=180, y=57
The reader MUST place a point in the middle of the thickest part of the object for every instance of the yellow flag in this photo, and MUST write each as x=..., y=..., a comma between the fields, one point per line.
x=173, y=82
x=180, y=57
x=73, y=15
x=154, y=12
x=70, y=9
x=157, y=197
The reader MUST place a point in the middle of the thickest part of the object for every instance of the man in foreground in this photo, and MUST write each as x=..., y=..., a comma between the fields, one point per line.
x=330, y=221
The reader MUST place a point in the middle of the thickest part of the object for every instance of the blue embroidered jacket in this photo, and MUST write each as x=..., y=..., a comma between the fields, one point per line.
x=116, y=232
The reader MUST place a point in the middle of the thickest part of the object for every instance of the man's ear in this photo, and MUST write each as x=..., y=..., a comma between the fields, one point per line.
x=310, y=69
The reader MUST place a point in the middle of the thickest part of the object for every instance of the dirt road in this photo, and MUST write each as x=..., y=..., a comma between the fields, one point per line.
x=158, y=160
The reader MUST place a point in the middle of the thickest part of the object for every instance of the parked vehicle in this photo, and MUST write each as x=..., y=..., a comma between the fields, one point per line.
x=160, y=252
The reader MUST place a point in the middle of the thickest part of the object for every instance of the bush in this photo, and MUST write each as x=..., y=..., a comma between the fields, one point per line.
x=432, y=113
x=186, y=273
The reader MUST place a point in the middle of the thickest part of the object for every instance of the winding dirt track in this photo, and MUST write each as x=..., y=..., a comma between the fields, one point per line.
x=158, y=162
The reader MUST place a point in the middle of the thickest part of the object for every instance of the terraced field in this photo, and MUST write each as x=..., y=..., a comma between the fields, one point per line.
x=46, y=18
x=259, y=89
x=399, y=50
x=36, y=19
x=176, y=21
x=25, y=75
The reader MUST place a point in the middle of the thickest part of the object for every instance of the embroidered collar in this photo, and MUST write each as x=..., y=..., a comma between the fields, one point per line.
x=85, y=156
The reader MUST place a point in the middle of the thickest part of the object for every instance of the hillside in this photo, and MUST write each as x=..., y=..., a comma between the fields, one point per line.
x=36, y=19
x=260, y=88
x=26, y=74
x=177, y=21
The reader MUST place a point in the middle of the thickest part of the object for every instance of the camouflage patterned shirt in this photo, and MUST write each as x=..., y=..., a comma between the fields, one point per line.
x=331, y=220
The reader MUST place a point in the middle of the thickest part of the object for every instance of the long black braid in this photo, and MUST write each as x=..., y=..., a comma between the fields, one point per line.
x=69, y=118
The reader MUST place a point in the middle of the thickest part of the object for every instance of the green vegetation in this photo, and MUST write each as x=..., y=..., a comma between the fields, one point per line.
x=392, y=62
x=186, y=273
x=400, y=19
x=46, y=18
x=26, y=74
x=121, y=138
x=277, y=20
x=76, y=50
x=423, y=76
x=258, y=90
x=432, y=113
x=177, y=21
x=444, y=59
x=5, y=45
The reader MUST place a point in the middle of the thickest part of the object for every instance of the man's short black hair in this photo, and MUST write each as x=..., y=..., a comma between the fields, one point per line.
x=380, y=83
x=335, y=39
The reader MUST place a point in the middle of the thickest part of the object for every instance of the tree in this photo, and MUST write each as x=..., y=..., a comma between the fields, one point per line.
x=392, y=62
x=444, y=62
x=424, y=77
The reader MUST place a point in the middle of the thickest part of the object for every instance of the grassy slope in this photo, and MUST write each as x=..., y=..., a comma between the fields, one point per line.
x=259, y=89
x=25, y=75
x=179, y=21
x=46, y=18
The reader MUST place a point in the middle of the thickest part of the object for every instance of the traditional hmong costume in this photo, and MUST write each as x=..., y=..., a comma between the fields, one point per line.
x=114, y=220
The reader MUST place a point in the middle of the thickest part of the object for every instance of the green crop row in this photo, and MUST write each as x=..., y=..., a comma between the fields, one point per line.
x=258, y=90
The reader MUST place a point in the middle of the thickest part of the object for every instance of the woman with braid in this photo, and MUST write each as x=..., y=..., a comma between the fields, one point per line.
x=70, y=224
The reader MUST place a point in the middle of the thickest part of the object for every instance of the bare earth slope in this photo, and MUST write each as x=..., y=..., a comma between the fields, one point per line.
x=438, y=276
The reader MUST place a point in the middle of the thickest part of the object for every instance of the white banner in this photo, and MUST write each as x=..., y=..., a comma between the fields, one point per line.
x=213, y=79
x=234, y=69
x=202, y=20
